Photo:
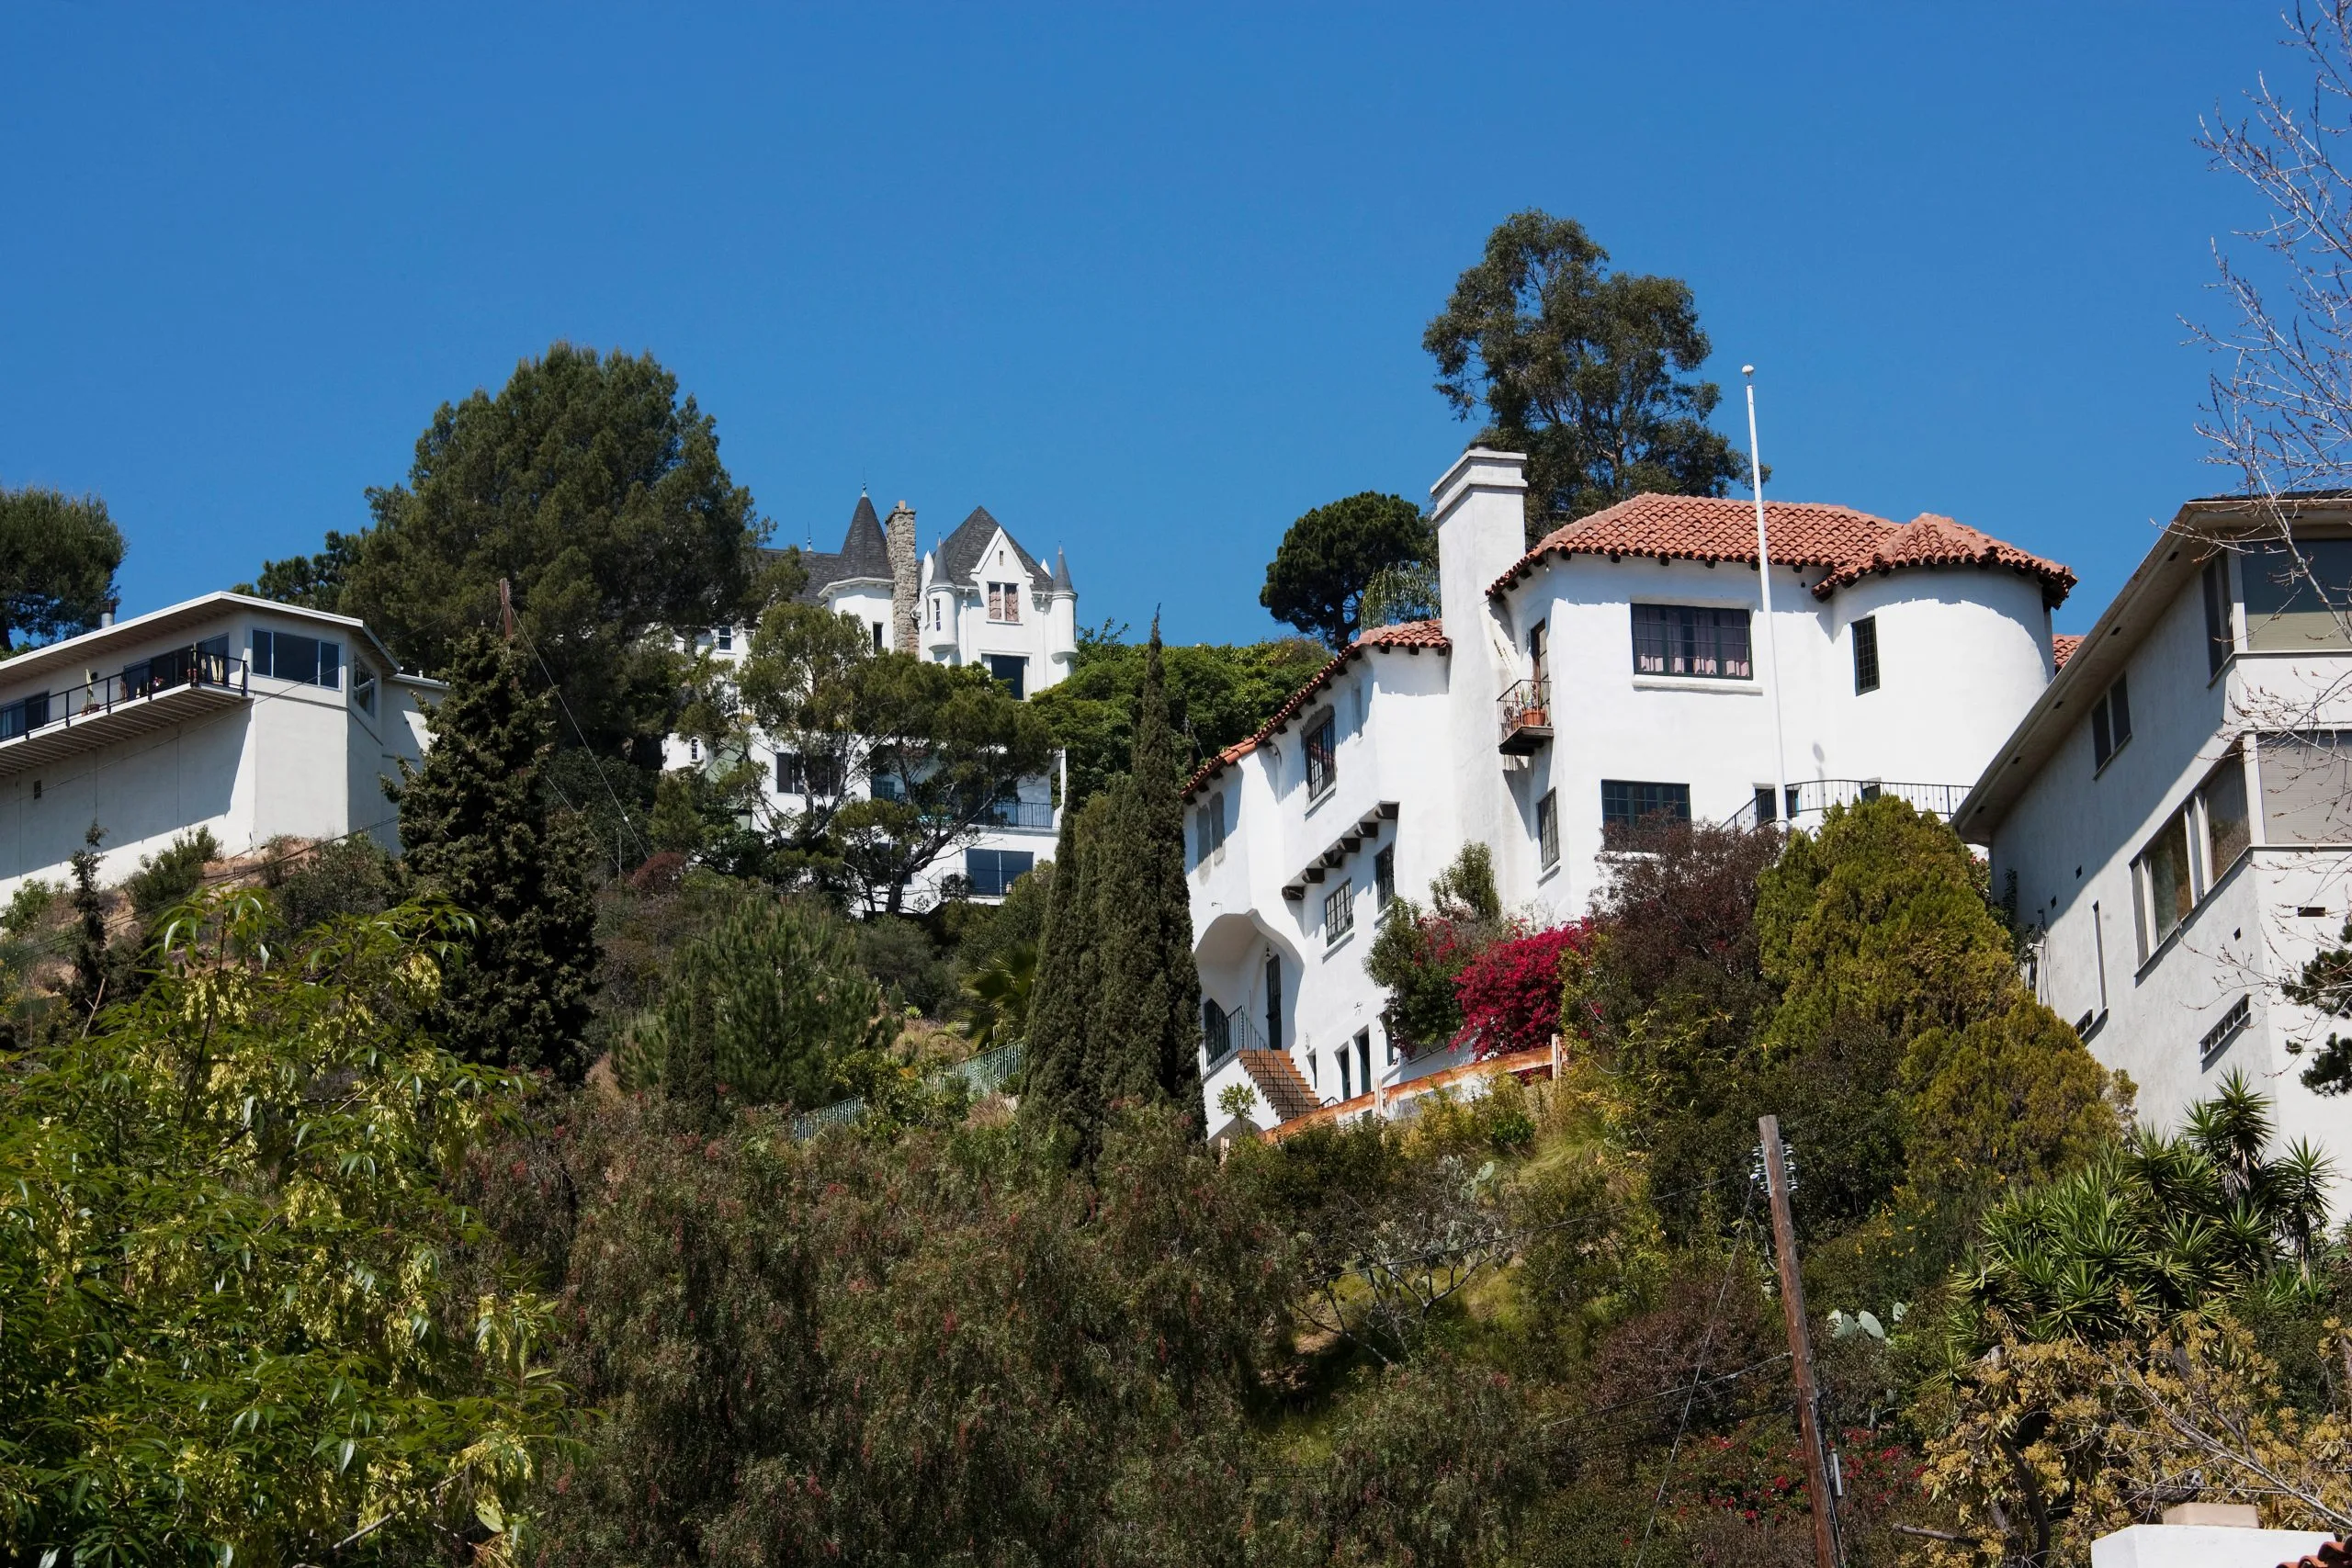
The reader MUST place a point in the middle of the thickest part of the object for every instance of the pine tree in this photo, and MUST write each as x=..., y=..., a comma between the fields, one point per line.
x=1061, y=996
x=1145, y=1041
x=474, y=827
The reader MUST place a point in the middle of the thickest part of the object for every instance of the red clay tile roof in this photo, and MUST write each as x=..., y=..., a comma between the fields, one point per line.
x=2062, y=648
x=1414, y=635
x=1851, y=544
x=2331, y=1554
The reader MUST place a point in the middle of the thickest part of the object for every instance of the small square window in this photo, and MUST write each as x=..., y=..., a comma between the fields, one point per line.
x=1339, y=913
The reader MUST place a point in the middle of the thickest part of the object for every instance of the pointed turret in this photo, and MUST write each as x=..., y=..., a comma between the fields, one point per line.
x=1062, y=584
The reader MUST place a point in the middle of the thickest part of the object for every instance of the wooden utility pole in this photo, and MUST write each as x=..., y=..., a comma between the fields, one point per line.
x=1817, y=1451
x=506, y=607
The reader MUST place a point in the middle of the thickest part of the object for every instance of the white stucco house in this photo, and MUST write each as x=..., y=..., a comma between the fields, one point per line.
x=252, y=719
x=1611, y=673
x=977, y=597
x=2172, y=819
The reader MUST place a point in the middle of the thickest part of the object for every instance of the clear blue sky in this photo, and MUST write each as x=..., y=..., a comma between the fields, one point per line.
x=1147, y=282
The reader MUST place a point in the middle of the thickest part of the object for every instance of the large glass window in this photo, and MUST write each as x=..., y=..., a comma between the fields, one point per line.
x=1629, y=805
x=2166, y=881
x=25, y=714
x=991, y=872
x=1683, y=639
x=2306, y=782
x=314, y=662
x=2293, y=604
x=2228, y=831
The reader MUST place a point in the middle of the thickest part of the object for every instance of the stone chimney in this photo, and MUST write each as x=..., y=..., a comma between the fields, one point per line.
x=906, y=586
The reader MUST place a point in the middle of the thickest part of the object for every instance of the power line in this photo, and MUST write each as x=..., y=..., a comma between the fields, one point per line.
x=1731, y=1269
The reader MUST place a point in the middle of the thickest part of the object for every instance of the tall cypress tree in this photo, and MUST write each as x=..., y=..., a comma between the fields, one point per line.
x=1145, y=1045
x=474, y=827
x=1061, y=995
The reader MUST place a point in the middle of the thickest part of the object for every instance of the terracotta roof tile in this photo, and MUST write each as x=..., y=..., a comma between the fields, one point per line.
x=2331, y=1554
x=1411, y=635
x=2062, y=648
x=1851, y=545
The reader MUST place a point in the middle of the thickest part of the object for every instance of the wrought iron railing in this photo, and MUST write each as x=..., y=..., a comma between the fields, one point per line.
x=1022, y=814
x=1225, y=1035
x=1527, y=706
x=1812, y=797
x=180, y=668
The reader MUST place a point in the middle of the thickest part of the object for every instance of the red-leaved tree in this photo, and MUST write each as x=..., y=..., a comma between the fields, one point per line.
x=1511, y=992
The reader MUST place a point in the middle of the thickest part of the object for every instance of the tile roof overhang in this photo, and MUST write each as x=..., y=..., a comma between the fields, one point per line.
x=1845, y=544
x=1411, y=636
x=2199, y=528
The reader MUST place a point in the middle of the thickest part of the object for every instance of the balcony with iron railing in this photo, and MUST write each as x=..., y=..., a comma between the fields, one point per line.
x=1526, y=715
x=1223, y=1036
x=163, y=689
x=1813, y=797
x=1035, y=814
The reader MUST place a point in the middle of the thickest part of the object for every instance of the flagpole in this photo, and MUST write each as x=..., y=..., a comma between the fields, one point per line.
x=1782, y=809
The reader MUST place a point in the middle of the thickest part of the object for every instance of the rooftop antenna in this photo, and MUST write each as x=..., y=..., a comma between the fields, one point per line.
x=1783, y=809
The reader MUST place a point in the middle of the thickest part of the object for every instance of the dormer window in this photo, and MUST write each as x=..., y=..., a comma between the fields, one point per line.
x=1004, y=603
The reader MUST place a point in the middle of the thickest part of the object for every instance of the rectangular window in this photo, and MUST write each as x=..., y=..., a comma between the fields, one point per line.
x=2294, y=606
x=24, y=714
x=1388, y=1043
x=1274, y=1001
x=2110, y=723
x=2306, y=782
x=363, y=688
x=1338, y=911
x=1630, y=805
x=2228, y=831
x=1866, y=655
x=2221, y=642
x=314, y=662
x=1004, y=603
x=934, y=615
x=1537, y=640
x=1547, y=828
x=991, y=872
x=1321, y=742
x=878, y=636
x=1211, y=823
x=1383, y=878
x=1683, y=639
x=1363, y=1059
x=2166, y=882
x=725, y=636
x=1011, y=670
x=1764, y=810
x=1347, y=1088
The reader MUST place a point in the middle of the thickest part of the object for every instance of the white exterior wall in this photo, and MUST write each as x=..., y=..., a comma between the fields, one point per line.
x=1962, y=653
x=288, y=758
x=2071, y=837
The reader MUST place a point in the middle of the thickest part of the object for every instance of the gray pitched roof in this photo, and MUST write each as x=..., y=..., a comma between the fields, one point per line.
x=960, y=552
x=863, y=554
x=1062, y=584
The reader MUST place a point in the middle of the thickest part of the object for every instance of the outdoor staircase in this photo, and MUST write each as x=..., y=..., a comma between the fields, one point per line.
x=1276, y=1076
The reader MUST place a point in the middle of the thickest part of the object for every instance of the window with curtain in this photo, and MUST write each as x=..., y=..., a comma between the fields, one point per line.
x=1685, y=639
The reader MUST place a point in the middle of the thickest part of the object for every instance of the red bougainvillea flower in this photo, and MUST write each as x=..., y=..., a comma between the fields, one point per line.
x=1511, y=992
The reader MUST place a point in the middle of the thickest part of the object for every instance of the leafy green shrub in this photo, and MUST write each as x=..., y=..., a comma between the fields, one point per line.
x=342, y=876
x=27, y=907
x=164, y=878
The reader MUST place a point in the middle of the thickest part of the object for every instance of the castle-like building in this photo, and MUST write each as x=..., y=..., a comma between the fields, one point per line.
x=976, y=597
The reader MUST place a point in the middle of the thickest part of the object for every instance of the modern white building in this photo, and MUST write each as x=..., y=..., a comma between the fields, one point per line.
x=977, y=597
x=2172, y=819
x=251, y=718
x=1614, y=672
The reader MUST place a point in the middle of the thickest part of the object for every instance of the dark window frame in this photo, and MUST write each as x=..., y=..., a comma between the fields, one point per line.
x=1547, y=829
x=1627, y=804
x=1699, y=642
x=1866, y=671
x=1322, y=748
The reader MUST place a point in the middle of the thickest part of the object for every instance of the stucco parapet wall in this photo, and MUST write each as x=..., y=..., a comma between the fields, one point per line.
x=1412, y=636
x=1843, y=544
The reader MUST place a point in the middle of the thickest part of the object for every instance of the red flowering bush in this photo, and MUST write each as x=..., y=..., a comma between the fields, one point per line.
x=1510, y=992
